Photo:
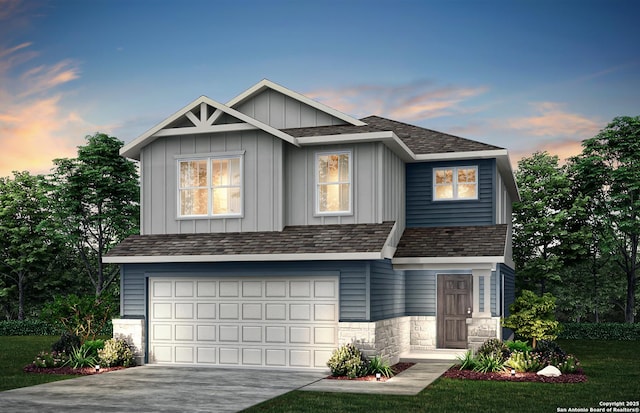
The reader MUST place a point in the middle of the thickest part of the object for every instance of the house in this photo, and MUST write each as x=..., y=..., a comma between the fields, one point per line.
x=275, y=228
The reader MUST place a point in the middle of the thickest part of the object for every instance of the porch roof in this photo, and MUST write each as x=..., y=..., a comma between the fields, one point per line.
x=460, y=241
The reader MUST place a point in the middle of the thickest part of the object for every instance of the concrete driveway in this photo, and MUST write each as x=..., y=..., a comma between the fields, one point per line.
x=158, y=389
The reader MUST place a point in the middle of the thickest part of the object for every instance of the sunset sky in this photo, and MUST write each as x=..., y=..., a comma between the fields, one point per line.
x=524, y=75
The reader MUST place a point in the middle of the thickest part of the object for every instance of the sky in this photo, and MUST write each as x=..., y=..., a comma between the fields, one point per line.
x=524, y=75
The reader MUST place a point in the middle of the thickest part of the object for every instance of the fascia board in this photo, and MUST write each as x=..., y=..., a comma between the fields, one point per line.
x=267, y=84
x=455, y=156
x=448, y=260
x=245, y=258
x=132, y=149
x=389, y=138
x=508, y=176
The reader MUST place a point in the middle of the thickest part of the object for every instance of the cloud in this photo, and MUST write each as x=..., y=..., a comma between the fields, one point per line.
x=552, y=120
x=411, y=101
x=35, y=127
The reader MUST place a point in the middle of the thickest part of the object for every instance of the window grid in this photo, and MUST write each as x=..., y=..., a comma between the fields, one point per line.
x=455, y=183
x=333, y=183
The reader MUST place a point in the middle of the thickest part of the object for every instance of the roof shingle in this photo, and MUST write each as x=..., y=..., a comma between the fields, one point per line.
x=463, y=241
x=421, y=141
x=299, y=239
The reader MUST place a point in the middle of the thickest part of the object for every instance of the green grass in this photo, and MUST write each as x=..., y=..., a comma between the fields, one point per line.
x=613, y=368
x=19, y=351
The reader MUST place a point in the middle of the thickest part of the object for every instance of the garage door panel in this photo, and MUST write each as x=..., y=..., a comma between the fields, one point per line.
x=248, y=321
x=184, y=289
x=184, y=311
x=229, y=311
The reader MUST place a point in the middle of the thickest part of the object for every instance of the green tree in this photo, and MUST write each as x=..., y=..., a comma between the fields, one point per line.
x=96, y=203
x=609, y=173
x=533, y=317
x=539, y=220
x=27, y=246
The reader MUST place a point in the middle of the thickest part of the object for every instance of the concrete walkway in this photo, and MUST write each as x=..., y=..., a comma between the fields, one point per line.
x=158, y=389
x=409, y=383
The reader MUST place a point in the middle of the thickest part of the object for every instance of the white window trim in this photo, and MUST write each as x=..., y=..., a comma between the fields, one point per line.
x=209, y=157
x=317, y=184
x=455, y=183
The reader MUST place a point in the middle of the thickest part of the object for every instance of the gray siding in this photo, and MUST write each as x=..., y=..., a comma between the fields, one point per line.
x=420, y=287
x=263, y=192
x=280, y=111
x=354, y=280
x=387, y=291
x=422, y=211
x=503, y=202
x=508, y=277
x=377, y=185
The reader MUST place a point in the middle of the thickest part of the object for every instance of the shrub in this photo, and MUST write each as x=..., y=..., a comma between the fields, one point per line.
x=51, y=360
x=67, y=343
x=522, y=361
x=348, y=361
x=84, y=316
x=489, y=363
x=570, y=364
x=116, y=352
x=82, y=357
x=533, y=317
x=518, y=345
x=600, y=331
x=467, y=362
x=549, y=349
x=378, y=365
x=27, y=328
x=496, y=348
x=93, y=346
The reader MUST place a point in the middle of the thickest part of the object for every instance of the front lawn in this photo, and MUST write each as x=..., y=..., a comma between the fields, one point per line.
x=19, y=351
x=613, y=369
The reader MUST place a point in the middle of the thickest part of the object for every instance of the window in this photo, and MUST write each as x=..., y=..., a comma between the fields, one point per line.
x=333, y=183
x=455, y=183
x=210, y=186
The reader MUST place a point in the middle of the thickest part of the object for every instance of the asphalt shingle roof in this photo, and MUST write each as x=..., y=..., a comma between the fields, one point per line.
x=421, y=141
x=299, y=239
x=463, y=241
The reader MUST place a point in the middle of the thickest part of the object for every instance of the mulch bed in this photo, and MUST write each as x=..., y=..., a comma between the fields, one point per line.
x=396, y=368
x=83, y=371
x=454, y=373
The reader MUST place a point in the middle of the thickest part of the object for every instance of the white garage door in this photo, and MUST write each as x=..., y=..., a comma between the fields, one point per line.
x=271, y=322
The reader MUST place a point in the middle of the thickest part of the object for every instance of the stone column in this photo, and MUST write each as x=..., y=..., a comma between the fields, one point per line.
x=132, y=330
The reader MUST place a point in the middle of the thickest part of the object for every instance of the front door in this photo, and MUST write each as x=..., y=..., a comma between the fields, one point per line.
x=454, y=307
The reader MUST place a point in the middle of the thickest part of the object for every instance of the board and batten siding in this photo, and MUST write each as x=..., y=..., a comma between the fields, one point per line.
x=377, y=185
x=423, y=211
x=280, y=111
x=262, y=183
x=504, y=206
x=387, y=291
x=354, y=281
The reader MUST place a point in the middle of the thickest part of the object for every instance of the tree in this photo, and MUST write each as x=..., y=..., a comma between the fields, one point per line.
x=27, y=247
x=609, y=172
x=96, y=203
x=539, y=220
x=533, y=317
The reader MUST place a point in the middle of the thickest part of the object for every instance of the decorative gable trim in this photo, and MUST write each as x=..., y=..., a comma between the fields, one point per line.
x=202, y=124
x=267, y=84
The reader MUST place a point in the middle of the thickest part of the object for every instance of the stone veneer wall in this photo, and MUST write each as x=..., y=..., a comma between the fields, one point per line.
x=423, y=333
x=480, y=330
x=386, y=338
x=132, y=330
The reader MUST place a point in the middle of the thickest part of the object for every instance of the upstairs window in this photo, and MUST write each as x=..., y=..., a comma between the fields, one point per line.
x=210, y=187
x=333, y=183
x=455, y=183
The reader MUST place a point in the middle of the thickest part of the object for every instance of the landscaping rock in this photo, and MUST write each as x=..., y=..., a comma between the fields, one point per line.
x=550, y=371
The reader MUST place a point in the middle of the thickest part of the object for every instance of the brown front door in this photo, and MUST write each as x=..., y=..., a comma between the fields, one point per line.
x=454, y=307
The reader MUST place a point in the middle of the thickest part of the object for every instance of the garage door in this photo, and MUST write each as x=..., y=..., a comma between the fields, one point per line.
x=269, y=322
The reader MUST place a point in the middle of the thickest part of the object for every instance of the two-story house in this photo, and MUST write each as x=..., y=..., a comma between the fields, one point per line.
x=275, y=228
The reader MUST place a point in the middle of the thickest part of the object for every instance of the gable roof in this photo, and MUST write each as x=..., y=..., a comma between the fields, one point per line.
x=267, y=84
x=295, y=243
x=205, y=123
